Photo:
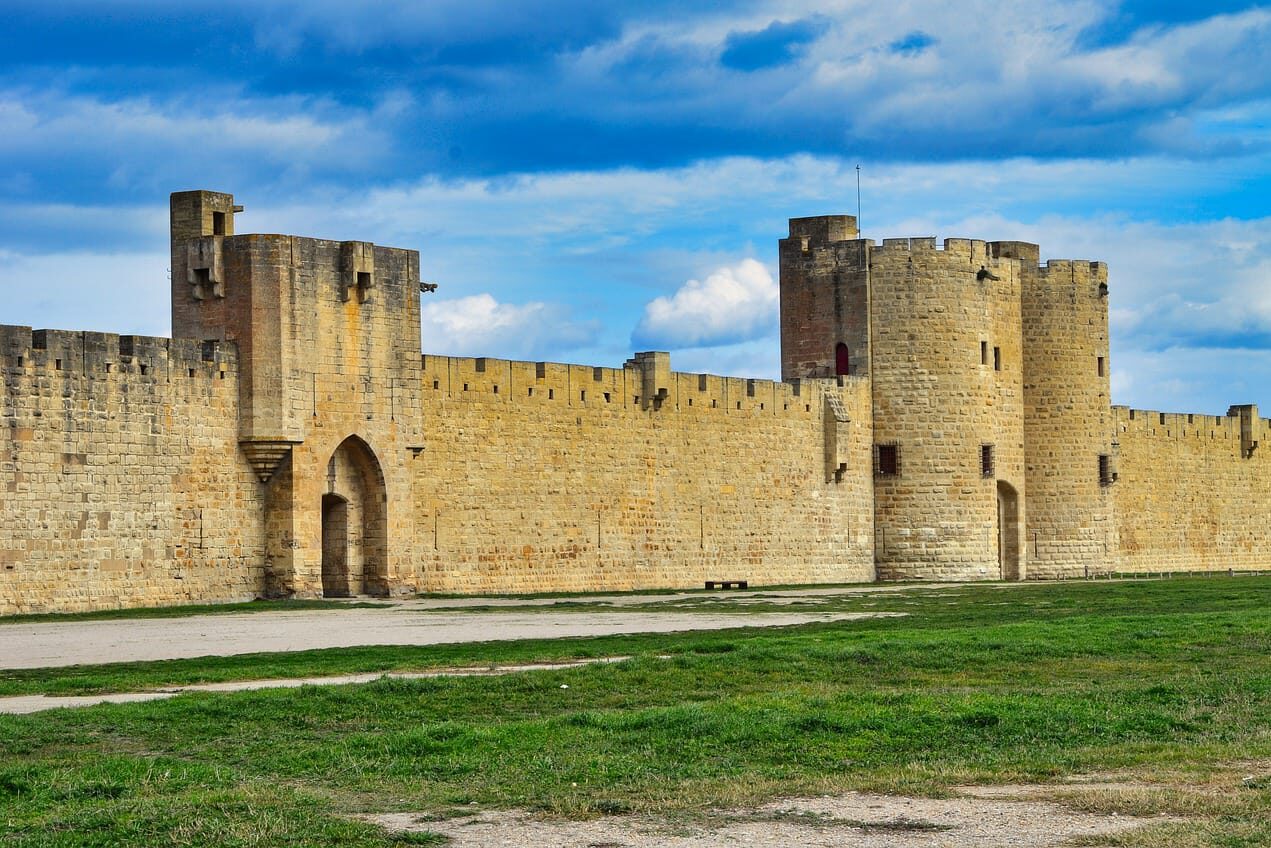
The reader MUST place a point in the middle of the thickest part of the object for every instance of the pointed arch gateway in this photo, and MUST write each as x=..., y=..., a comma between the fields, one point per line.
x=354, y=523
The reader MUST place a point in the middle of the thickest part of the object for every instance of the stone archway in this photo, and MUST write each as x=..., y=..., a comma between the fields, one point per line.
x=354, y=523
x=1008, y=530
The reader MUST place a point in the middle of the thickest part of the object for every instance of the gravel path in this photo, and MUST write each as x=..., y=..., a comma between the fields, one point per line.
x=853, y=820
x=26, y=704
x=64, y=643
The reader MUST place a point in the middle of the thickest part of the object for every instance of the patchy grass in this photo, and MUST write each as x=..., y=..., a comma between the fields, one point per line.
x=1168, y=680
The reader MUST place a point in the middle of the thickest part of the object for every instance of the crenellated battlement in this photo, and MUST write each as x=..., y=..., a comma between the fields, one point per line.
x=1192, y=426
x=619, y=390
x=110, y=356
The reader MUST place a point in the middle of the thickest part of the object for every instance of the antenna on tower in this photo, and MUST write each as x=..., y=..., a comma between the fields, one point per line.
x=858, y=198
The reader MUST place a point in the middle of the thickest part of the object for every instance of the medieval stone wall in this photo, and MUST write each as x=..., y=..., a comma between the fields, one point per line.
x=538, y=476
x=1189, y=495
x=121, y=482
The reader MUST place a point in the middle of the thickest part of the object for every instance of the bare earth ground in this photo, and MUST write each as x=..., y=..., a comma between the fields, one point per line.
x=851, y=820
x=423, y=622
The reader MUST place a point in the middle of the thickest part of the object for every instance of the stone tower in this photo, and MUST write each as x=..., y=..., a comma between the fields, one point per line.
x=988, y=378
x=329, y=416
x=1068, y=427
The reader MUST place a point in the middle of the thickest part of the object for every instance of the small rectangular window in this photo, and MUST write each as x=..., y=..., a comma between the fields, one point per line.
x=887, y=460
x=582, y=395
x=436, y=384
x=363, y=280
x=984, y=353
x=606, y=397
x=1101, y=366
x=997, y=359
x=496, y=388
x=986, y=461
x=218, y=223
x=551, y=394
x=1105, y=470
x=531, y=394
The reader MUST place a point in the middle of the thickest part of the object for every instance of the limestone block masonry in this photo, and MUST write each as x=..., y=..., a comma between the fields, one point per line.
x=943, y=414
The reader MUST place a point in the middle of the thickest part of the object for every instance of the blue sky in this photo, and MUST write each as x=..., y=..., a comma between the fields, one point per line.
x=585, y=178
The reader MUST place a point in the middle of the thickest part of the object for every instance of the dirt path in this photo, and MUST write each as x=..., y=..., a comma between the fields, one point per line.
x=51, y=644
x=853, y=820
x=26, y=704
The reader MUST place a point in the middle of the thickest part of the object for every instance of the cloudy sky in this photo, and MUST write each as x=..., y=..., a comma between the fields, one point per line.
x=586, y=178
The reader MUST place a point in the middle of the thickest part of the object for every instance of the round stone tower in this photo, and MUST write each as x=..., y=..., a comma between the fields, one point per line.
x=947, y=384
x=938, y=331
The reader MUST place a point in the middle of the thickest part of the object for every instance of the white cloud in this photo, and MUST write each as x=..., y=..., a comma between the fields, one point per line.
x=733, y=304
x=481, y=326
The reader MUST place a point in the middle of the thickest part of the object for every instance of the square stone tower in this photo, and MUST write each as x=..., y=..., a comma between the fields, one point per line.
x=329, y=350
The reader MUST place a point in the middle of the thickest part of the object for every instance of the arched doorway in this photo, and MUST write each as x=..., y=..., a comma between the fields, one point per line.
x=1007, y=530
x=842, y=362
x=335, y=547
x=354, y=523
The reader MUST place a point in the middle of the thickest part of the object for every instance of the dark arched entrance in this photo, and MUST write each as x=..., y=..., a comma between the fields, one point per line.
x=354, y=523
x=335, y=546
x=1008, y=530
x=842, y=362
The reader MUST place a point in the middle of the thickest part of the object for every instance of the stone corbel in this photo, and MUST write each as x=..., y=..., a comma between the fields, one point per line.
x=357, y=270
x=204, y=267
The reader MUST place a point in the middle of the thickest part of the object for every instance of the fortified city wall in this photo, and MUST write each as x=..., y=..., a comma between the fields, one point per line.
x=1191, y=491
x=538, y=476
x=944, y=414
x=121, y=481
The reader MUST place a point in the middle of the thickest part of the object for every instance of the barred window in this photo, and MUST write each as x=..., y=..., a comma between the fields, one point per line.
x=887, y=460
x=986, y=461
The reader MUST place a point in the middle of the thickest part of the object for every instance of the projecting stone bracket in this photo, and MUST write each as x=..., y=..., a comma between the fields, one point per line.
x=357, y=270
x=837, y=438
x=204, y=267
x=266, y=456
x=655, y=377
x=1249, y=420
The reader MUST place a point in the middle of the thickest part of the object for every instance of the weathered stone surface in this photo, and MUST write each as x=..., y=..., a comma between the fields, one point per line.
x=944, y=415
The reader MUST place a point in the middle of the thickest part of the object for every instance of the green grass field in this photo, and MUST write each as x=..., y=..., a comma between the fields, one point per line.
x=1165, y=681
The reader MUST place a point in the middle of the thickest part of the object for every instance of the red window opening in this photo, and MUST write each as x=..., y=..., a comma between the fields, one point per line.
x=842, y=365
